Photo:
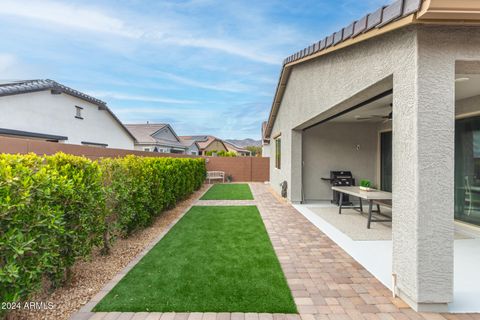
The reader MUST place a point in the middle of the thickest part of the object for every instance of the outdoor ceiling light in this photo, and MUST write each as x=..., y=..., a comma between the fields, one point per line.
x=462, y=79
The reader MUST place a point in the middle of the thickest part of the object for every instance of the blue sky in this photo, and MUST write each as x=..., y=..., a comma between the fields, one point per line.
x=204, y=66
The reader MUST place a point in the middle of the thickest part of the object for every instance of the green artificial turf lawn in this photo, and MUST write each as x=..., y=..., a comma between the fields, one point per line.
x=233, y=191
x=215, y=259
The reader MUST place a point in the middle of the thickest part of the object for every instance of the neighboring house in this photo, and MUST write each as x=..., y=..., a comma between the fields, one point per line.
x=238, y=150
x=206, y=143
x=192, y=146
x=265, y=141
x=50, y=111
x=395, y=98
x=156, y=137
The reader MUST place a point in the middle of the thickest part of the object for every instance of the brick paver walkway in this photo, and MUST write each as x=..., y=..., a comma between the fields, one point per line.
x=326, y=282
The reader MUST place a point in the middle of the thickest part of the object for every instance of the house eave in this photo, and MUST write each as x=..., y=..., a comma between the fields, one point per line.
x=463, y=11
x=440, y=12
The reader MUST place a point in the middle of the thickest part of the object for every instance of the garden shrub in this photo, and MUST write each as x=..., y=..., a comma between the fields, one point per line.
x=51, y=212
x=56, y=209
x=140, y=188
x=29, y=223
x=82, y=200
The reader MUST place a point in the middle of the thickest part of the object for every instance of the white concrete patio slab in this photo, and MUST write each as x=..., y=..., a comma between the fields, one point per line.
x=376, y=257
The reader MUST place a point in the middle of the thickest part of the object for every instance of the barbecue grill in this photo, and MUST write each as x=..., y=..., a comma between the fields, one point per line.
x=340, y=178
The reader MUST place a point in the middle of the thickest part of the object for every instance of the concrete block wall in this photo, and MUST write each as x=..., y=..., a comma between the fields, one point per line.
x=241, y=168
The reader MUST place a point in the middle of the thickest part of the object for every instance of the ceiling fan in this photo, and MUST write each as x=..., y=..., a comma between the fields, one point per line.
x=387, y=118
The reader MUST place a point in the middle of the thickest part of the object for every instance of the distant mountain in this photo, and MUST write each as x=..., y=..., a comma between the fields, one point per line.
x=245, y=142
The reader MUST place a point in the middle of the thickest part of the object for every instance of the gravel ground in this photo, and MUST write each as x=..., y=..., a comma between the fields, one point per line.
x=91, y=276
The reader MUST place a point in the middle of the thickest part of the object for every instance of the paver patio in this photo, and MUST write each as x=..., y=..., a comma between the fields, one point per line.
x=325, y=281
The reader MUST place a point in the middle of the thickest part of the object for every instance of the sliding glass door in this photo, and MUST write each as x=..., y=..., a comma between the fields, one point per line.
x=467, y=170
x=386, y=161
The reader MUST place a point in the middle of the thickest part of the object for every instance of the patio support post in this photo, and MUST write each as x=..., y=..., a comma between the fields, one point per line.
x=295, y=188
x=423, y=178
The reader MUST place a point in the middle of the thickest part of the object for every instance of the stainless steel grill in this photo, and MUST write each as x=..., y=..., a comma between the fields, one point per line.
x=340, y=178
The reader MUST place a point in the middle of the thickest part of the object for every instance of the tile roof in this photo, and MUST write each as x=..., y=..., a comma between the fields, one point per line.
x=376, y=19
x=202, y=141
x=26, y=86
x=187, y=142
x=144, y=134
x=371, y=25
x=233, y=147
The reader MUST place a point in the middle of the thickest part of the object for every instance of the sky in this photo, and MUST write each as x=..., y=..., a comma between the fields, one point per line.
x=204, y=66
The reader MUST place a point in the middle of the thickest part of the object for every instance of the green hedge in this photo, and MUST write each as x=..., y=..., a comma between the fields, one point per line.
x=140, y=188
x=56, y=209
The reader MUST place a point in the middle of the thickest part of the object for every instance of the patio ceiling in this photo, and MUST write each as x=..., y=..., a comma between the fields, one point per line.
x=371, y=112
x=466, y=86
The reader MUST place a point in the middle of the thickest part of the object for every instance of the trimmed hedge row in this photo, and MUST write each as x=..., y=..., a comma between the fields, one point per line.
x=56, y=209
x=139, y=188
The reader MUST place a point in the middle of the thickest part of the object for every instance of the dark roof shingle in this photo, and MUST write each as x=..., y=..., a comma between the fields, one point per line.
x=27, y=86
x=376, y=19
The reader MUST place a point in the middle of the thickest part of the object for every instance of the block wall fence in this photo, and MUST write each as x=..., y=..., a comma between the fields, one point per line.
x=243, y=169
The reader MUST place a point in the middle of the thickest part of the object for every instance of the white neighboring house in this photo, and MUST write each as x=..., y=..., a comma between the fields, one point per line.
x=47, y=110
x=156, y=137
x=192, y=146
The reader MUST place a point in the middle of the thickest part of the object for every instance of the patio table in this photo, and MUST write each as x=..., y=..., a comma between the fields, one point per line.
x=370, y=196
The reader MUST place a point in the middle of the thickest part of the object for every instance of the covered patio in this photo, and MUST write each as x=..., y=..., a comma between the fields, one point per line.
x=357, y=136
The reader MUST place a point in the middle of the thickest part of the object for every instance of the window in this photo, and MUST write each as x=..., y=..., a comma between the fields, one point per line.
x=78, y=112
x=146, y=149
x=278, y=152
x=467, y=170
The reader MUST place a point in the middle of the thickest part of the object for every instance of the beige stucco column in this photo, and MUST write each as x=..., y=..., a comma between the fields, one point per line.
x=423, y=179
x=295, y=189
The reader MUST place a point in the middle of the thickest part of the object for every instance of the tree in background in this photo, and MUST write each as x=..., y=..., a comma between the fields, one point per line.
x=221, y=153
x=255, y=150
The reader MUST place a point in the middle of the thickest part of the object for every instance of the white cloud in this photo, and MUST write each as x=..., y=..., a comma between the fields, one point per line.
x=7, y=61
x=224, y=86
x=68, y=15
x=188, y=118
x=131, y=97
x=230, y=47
x=168, y=32
x=11, y=68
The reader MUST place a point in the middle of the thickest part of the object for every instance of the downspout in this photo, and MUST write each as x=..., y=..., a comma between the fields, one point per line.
x=302, y=201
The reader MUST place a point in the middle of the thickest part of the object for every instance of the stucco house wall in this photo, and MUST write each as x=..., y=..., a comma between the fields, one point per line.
x=318, y=85
x=266, y=151
x=151, y=147
x=215, y=146
x=166, y=134
x=46, y=113
x=337, y=146
x=193, y=149
x=418, y=62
